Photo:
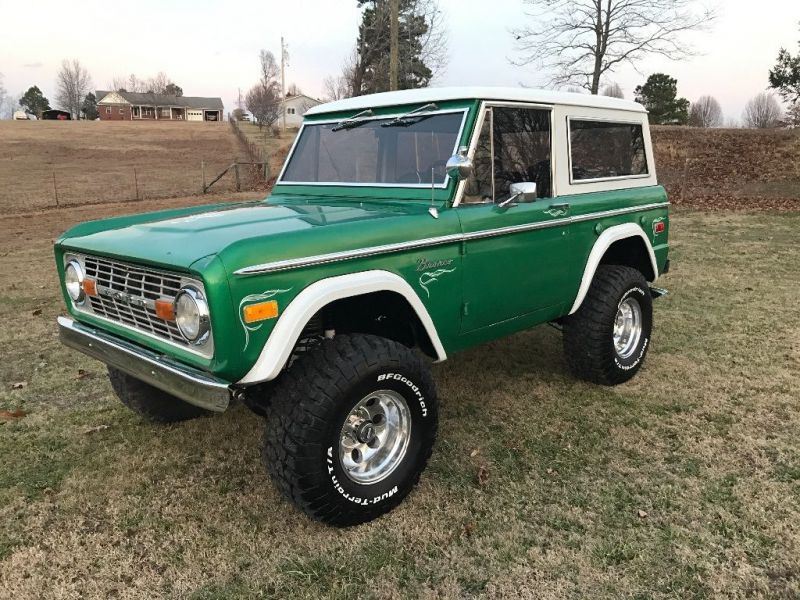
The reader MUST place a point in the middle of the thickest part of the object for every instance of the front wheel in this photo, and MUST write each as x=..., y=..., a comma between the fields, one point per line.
x=606, y=339
x=150, y=402
x=351, y=428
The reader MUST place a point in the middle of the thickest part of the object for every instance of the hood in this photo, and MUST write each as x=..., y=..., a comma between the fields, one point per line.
x=245, y=232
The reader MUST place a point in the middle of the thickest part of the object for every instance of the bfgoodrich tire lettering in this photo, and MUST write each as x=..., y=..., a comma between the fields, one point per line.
x=150, y=402
x=589, y=333
x=311, y=405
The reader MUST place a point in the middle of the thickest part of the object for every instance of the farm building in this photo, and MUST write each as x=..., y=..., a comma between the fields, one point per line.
x=130, y=106
x=295, y=107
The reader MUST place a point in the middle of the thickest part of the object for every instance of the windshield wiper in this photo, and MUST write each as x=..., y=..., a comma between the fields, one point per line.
x=353, y=121
x=401, y=120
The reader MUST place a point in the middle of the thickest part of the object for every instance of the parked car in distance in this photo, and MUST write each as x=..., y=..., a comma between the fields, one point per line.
x=403, y=228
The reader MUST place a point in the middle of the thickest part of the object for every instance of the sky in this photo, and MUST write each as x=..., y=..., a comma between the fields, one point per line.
x=212, y=51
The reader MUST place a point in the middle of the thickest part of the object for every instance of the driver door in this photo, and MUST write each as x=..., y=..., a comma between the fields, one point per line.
x=515, y=260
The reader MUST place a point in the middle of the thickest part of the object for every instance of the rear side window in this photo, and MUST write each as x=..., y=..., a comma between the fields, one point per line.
x=605, y=150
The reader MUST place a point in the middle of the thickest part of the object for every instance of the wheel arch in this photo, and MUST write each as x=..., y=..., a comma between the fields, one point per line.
x=625, y=244
x=338, y=291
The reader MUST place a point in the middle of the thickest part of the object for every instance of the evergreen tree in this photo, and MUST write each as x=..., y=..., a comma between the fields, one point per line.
x=659, y=95
x=89, y=107
x=371, y=72
x=34, y=102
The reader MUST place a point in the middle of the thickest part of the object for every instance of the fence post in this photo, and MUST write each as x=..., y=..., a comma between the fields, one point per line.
x=685, y=179
x=238, y=181
x=136, y=182
x=55, y=188
x=203, y=169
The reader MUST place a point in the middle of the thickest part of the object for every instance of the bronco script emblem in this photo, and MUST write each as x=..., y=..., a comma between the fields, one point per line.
x=433, y=270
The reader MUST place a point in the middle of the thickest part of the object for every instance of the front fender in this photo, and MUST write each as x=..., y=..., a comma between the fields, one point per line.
x=306, y=304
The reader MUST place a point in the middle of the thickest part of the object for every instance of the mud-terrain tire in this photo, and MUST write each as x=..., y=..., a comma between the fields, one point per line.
x=319, y=422
x=153, y=404
x=596, y=346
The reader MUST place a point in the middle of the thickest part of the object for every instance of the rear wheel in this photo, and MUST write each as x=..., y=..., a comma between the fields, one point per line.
x=350, y=428
x=150, y=402
x=606, y=340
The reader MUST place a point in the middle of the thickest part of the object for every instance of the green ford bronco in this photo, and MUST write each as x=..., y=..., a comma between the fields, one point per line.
x=404, y=226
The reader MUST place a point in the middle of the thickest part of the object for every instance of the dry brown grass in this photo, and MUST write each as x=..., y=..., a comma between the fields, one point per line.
x=704, y=441
x=276, y=147
x=94, y=161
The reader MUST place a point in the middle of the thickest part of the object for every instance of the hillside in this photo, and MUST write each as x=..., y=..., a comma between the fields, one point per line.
x=730, y=168
x=93, y=161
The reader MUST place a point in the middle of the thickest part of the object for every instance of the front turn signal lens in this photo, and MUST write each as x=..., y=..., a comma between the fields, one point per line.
x=260, y=311
x=90, y=287
x=165, y=309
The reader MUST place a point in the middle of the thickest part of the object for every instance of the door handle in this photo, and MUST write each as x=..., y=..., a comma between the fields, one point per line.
x=562, y=206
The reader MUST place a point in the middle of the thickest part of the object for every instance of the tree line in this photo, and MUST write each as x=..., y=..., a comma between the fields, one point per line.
x=74, y=95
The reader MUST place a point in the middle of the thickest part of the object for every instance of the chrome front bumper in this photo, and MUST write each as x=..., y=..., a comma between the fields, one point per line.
x=190, y=385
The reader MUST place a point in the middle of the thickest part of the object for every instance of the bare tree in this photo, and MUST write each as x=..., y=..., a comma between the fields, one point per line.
x=72, y=83
x=706, y=112
x=793, y=115
x=294, y=90
x=3, y=96
x=762, y=112
x=336, y=87
x=268, y=68
x=130, y=83
x=582, y=41
x=264, y=103
x=613, y=90
x=434, y=41
x=263, y=99
x=158, y=84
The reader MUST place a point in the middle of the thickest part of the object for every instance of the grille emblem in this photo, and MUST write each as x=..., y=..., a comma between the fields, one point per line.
x=121, y=296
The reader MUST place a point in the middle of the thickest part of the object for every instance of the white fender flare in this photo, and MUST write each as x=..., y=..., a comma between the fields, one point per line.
x=307, y=303
x=603, y=243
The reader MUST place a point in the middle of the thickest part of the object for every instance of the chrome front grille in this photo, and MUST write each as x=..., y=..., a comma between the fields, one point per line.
x=126, y=294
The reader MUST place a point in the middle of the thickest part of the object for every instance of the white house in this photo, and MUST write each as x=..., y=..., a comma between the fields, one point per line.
x=294, y=108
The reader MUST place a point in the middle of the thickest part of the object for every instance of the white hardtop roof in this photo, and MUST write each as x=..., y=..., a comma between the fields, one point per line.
x=441, y=94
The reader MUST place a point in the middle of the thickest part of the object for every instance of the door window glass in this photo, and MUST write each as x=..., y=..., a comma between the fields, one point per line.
x=513, y=147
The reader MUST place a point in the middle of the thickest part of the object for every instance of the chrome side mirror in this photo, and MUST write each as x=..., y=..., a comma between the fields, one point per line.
x=524, y=191
x=459, y=166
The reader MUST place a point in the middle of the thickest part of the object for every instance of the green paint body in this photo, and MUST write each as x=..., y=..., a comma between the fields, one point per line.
x=494, y=286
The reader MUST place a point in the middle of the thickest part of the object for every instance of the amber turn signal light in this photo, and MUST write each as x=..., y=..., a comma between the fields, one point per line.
x=165, y=309
x=261, y=311
x=90, y=287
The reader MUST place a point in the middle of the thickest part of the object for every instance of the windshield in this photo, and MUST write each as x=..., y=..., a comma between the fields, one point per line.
x=411, y=151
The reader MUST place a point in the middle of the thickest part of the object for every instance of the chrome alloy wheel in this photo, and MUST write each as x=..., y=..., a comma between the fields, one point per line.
x=627, y=327
x=375, y=437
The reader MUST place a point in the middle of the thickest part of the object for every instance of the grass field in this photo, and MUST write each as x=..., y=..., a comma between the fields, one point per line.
x=684, y=483
x=94, y=161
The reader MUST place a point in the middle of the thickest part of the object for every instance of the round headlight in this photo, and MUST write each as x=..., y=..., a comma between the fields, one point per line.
x=73, y=280
x=191, y=315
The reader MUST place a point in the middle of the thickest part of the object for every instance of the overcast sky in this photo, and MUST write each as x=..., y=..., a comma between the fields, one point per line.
x=210, y=51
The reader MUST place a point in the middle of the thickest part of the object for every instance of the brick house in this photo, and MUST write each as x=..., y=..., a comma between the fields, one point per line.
x=130, y=106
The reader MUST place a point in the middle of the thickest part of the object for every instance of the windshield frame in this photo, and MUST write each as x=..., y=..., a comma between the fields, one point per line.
x=400, y=112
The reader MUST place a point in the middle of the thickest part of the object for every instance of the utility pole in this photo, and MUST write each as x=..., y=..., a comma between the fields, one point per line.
x=284, y=59
x=394, y=34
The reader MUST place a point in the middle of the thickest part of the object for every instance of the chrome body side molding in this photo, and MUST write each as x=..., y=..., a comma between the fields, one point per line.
x=321, y=259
